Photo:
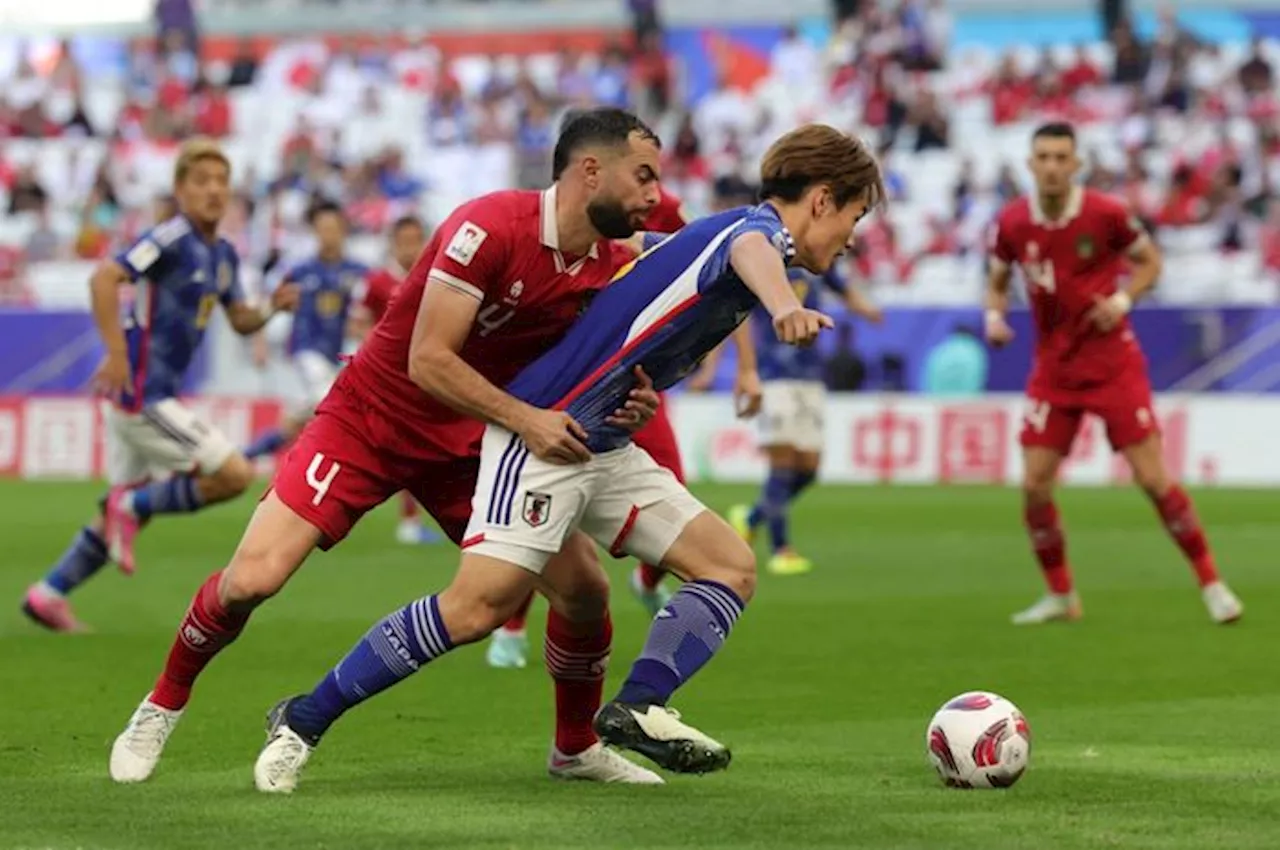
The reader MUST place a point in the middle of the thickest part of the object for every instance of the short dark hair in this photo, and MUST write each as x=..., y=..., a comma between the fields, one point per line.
x=819, y=154
x=1055, y=130
x=606, y=126
x=320, y=208
x=407, y=221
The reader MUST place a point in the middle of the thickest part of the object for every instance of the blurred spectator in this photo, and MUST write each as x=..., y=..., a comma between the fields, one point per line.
x=651, y=76
x=1256, y=75
x=1082, y=73
x=1131, y=58
x=645, y=20
x=795, y=61
x=1183, y=205
x=44, y=243
x=176, y=19
x=26, y=195
x=535, y=137
x=846, y=371
x=963, y=191
x=933, y=130
x=1007, y=186
x=957, y=366
x=178, y=55
x=244, y=68
x=211, y=109
x=610, y=86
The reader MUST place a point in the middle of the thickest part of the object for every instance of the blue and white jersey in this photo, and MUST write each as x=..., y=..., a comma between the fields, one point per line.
x=180, y=278
x=777, y=361
x=324, y=304
x=664, y=311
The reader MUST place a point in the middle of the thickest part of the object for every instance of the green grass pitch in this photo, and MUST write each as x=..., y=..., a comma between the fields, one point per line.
x=1152, y=727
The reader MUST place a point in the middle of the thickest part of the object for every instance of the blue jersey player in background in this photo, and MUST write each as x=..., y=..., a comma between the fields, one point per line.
x=161, y=459
x=328, y=284
x=660, y=317
x=792, y=415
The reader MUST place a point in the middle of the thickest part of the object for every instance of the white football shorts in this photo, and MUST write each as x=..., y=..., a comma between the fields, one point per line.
x=162, y=439
x=792, y=413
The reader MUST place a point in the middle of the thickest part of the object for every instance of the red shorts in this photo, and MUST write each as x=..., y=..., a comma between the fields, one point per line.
x=1124, y=408
x=659, y=440
x=340, y=468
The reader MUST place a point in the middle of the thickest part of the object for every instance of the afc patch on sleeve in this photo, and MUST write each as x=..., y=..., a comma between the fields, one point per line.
x=465, y=243
x=143, y=255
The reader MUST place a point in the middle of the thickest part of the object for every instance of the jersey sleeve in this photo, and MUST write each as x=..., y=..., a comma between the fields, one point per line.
x=1001, y=248
x=231, y=291
x=472, y=249
x=772, y=229
x=154, y=250
x=1124, y=231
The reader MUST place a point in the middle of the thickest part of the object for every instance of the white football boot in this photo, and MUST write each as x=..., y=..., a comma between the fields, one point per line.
x=597, y=763
x=1223, y=605
x=657, y=733
x=508, y=650
x=283, y=756
x=1051, y=607
x=137, y=750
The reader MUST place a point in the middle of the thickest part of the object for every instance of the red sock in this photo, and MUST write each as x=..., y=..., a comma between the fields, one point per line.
x=577, y=656
x=1049, y=544
x=516, y=623
x=651, y=576
x=206, y=630
x=408, y=506
x=1180, y=521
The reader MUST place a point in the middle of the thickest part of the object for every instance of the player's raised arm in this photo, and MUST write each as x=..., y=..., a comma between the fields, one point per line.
x=112, y=375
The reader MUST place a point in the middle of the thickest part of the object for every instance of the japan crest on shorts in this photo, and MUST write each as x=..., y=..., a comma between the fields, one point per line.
x=537, y=508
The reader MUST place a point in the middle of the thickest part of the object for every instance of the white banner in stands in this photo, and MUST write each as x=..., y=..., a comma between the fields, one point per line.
x=901, y=439
x=913, y=440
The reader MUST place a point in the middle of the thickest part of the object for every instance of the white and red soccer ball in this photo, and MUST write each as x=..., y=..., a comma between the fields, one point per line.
x=979, y=740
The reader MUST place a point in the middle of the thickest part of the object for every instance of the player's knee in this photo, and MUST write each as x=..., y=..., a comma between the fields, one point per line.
x=1037, y=488
x=575, y=583
x=740, y=569
x=708, y=549
x=1154, y=482
x=231, y=479
x=254, y=576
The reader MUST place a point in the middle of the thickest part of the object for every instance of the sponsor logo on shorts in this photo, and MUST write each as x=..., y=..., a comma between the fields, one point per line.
x=537, y=508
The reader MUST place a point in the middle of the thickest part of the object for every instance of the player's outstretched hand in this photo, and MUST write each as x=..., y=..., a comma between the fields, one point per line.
x=554, y=436
x=801, y=326
x=998, y=331
x=285, y=297
x=641, y=405
x=747, y=394
x=111, y=378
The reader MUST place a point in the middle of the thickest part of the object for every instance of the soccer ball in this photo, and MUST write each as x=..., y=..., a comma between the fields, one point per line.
x=979, y=740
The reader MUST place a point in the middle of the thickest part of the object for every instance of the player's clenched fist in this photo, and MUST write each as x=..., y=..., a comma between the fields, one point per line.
x=554, y=436
x=112, y=375
x=997, y=329
x=801, y=326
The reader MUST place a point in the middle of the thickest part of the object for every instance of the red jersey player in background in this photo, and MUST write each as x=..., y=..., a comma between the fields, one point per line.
x=1071, y=244
x=408, y=238
x=509, y=645
x=500, y=283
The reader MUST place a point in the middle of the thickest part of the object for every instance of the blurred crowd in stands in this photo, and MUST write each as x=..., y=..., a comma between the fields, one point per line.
x=886, y=73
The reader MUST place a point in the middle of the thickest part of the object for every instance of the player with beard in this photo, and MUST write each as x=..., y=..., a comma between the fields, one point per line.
x=500, y=283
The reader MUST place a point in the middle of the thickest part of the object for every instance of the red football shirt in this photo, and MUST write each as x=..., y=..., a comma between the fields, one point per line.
x=667, y=216
x=379, y=286
x=503, y=250
x=1068, y=264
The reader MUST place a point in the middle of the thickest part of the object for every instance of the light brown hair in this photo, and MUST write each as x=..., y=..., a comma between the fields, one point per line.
x=817, y=154
x=196, y=150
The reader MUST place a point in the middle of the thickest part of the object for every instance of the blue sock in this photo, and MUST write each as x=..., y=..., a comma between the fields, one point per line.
x=84, y=557
x=773, y=499
x=800, y=481
x=394, y=649
x=175, y=495
x=683, y=637
x=266, y=443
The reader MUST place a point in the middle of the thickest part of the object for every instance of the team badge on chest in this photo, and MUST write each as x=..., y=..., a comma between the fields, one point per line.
x=1084, y=246
x=537, y=508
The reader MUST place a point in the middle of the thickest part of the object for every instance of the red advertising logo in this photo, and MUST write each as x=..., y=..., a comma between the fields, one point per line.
x=973, y=444
x=886, y=443
x=10, y=437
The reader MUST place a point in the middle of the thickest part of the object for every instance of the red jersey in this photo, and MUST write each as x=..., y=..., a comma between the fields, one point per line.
x=1068, y=264
x=667, y=216
x=503, y=250
x=379, y=286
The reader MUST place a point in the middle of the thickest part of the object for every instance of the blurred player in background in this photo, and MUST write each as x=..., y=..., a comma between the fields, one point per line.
x=327, y=285
x=661, y=316
x=408, y=238
x=791, y=418
x=509, y=645
x=1071, y=244
x=161, y=459
x=502, y=280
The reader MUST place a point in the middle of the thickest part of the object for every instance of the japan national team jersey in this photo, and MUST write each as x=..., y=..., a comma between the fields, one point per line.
x=324, y=304
x=777, y=361
x=1069, y=264
x=503, y=250
x=665, y=311
x=180, y=279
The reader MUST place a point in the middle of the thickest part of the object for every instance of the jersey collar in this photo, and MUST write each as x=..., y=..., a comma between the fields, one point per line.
x=549, y=233
x=1075, y=201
